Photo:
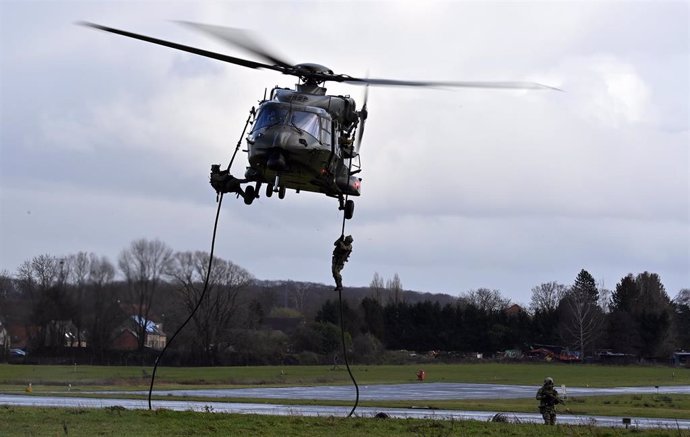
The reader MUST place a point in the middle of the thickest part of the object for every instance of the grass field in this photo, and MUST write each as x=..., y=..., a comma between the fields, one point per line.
x=16, y=421
x=74, y=380
x=523, y=374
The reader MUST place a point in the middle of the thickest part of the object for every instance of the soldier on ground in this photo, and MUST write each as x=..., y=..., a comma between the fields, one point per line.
x=341, y=253
x=548, y=399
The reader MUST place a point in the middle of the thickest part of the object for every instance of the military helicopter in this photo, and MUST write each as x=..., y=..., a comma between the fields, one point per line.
x=301, y=139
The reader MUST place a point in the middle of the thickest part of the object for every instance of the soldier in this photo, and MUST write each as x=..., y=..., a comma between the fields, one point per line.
x=548, y=399
x=223, y=182
x=341, y=253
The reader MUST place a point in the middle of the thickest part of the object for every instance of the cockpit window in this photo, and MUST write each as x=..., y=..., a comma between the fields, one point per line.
x=270, y=115
x=307, y=121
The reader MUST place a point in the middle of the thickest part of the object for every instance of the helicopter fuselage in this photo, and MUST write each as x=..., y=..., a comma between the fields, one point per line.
x=302, y=141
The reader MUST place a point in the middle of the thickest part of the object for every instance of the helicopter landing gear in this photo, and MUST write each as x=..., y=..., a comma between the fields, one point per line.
x=277, y=188
x=249, y=194
x=349, y=209
x=269, y=190
x=347, y=206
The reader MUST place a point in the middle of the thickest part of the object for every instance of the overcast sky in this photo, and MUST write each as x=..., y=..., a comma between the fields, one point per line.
x=105, y=139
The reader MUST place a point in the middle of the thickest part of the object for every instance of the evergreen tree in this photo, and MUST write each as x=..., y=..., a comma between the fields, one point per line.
x=586, y=287
x=642, y=316
x=625, y=297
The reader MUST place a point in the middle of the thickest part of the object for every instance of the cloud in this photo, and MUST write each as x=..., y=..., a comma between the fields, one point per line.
x=107, y=139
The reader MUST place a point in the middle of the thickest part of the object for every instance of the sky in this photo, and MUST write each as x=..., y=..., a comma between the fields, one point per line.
x=105, y=140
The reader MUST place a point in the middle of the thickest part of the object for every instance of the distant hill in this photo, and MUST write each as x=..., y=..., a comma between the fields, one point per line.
x=309, y=297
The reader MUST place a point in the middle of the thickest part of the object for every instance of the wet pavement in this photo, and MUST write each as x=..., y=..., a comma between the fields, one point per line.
x=419, y=391
x=301, y=410
x=412, y=392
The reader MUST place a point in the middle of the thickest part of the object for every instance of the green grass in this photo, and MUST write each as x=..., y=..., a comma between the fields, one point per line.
x=54, y=380
x=23, y=421
x=659, y=406
x=135, y=377
x=88, y=422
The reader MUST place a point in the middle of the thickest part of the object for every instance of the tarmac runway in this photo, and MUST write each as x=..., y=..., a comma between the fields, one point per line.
x=417, y=391
x=412, y=392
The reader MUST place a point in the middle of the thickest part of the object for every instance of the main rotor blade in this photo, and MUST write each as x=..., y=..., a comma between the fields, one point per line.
x=282, y=66
x=363, y=114
x=240, y=38
x=184, y=48
x=460, y=84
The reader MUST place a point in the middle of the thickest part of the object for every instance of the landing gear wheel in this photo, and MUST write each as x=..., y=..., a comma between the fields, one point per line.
x=249, y=194
x=281, y=192
x=269, y=190
x=349, y=209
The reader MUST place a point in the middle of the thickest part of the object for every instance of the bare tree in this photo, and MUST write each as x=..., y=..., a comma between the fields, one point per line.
x=78, y=268
x=144, y=264
x=7, y=286
x=6, y=289
x=41, y=272
x=681, y=305
x=377, y=287
x=581, y=319
x=41, y=281
x=104, y=313
x=546, y=296
x=487, y=300
x=395, y=288
x=299, y=294
x=220, y=304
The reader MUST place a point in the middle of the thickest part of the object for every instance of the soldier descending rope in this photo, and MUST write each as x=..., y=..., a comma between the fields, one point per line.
x=341, y=253
x=548, y=399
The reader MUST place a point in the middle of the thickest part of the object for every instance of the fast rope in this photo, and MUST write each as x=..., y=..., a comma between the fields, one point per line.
x=347, y=364
x=219, y=199
x=342, y=323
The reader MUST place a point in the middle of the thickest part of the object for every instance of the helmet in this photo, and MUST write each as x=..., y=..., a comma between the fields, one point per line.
x=548, y=380
x=348, y=239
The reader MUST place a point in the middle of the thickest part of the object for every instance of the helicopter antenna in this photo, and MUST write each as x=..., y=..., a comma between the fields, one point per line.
x=265, y=90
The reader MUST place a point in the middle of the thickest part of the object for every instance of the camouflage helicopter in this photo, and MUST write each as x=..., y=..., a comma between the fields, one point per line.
x=301, y=139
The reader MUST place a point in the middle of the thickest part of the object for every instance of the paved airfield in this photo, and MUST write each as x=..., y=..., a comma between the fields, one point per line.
x=420, y=391
x=413, y=392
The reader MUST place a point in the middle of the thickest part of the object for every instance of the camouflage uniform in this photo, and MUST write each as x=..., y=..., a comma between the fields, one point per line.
x=341, y=253
x=548, y=399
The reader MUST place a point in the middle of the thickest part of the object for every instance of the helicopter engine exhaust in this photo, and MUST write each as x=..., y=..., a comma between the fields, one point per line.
x=276, y=161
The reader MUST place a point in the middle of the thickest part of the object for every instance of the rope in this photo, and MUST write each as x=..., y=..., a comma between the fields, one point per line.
x=347, y=363
x=342, y=324
x=210, y=265
x=201, y=298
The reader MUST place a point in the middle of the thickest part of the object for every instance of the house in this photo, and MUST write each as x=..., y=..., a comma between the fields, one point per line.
x=63, y=333
x=21, y=335
x=681, y=358
x=127, y=337
x=514, y=310
x=57, y=333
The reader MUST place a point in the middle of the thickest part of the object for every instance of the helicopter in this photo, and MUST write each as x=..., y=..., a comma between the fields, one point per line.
x=301, y=139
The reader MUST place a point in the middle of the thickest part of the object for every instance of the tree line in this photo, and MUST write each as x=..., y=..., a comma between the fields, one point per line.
x=76, y=306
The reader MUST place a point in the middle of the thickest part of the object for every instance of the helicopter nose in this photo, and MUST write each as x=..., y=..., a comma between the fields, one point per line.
x=283, y=139
x=276, y=161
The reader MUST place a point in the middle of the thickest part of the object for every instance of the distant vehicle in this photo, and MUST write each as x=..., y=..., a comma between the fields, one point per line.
x=554, y=353
x=17, y=356
x=17, y=353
